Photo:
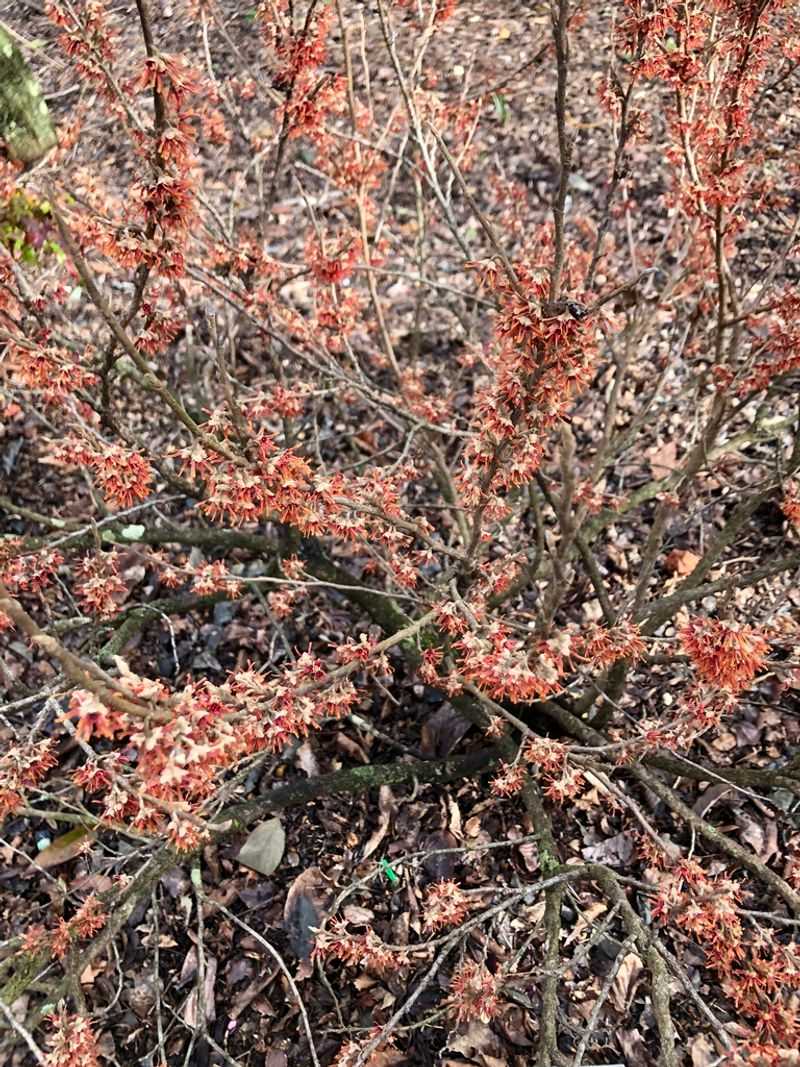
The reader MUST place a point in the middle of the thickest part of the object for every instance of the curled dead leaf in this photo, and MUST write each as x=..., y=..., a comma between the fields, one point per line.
x=190, y=1012
x=386, y=805
x=306, y=904
x=625, y=981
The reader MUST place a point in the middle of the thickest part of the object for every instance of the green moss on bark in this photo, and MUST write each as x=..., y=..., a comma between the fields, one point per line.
x=25, y=126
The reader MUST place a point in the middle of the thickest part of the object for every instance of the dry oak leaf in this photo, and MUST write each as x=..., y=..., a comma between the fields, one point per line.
x=681, y=561
x=662, y=458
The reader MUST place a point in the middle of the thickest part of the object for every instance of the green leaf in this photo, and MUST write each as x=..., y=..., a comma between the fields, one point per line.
x=500, y=107
x=132, y=533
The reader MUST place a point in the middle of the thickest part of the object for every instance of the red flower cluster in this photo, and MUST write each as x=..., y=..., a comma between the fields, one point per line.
x=53, y=372
x=549, y=761
x=161, y=327
x=708, y=908
x=22, y=767
x=89, y=38
x=123, y=476
x=474, y=993
x=601, y=646
x=215, y=578
x=758, y=973
x=87, y=920
x=93, y=718
x=547, y=755
x=172, y=77
x=278, y=485
x=791, y=503
x=30, y=574
x=166, y=201
x=333, y=265
x=297, y=51
x=782, y=344
x=286, y=401
x=349, y=1055
x=505, y=667
x=73, y=1043
x=310, y=104
x=539, y=364
x=724, y=654
x=446, y=904
x=99, y=587
x=356, y=950
x=92, y=777
x=509, y=779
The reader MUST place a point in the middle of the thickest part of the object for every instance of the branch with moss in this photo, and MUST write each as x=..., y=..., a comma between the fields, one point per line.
x=129, y=623
x=740, y=855
x=659, y=975
x=28, y=967
x=659, y=611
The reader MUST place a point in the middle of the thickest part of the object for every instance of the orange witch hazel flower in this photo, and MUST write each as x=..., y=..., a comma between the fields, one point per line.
x=21, y=767
x=73, y=1044
x=93, y=718
x=474, y=993
x=446, y=904
x=186, y=835
x=123, y=476
x=214, y=578
x=724, y=654
x=356, y=950
x=509, y=780
x=603, y=646
x=99, y=586
x=791, y=503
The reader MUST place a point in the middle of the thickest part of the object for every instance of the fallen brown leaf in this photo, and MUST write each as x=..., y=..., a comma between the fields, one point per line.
x=478, y=1043
x=65, y=848
x=351, y=748
x=702, y=1051
x=264, y=847
x=662, y=458
x=306, y=760
x=386, y=806
x=442, y=732
x=306, y=904
x=681, y=561
x=190, y=1012
x=440, y=866
x=625, y=981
